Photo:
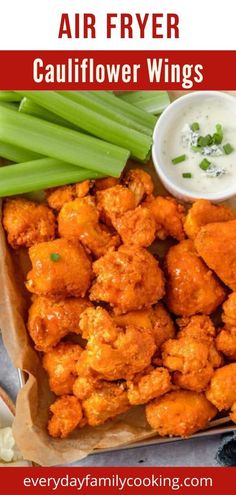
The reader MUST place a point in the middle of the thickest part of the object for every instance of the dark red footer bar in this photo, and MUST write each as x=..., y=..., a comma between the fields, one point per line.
x=126, y=481
x=124, y=70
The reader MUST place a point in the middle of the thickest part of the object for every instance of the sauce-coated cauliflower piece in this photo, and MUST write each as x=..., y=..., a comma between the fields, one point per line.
x=67, y=415
x=127, y=279
x=60, y=365
x=222, y=388
x=191, y=287
x=27, y=223
x=203, y=212
x=59, y=268
x=169, y=216
x=151, y=383
x=180, y=413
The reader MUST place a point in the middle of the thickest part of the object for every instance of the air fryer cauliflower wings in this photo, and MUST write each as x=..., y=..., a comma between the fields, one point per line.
x=116, y=326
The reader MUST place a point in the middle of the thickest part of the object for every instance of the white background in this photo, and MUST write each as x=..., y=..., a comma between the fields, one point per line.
x=34, y=24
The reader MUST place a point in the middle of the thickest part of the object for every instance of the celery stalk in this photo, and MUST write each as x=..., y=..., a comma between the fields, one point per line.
x=96, y=124
x=125, y=108
x=40, y=174
x=60, y=143
x=88, y=100
x=31, y=108
x=151, y=101
x=16, y=154
x=9, y=96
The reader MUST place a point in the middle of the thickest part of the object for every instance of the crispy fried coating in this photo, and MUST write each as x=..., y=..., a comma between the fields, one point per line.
x=203, y=212
x=60, y=365
x=51, y=319
x=148, y=385
x=169, y=216
x=127, y=279
x=136, y=227
x=216, y=244
x=59, y=268
x=139, y=182
x=106, y=183
x=180, y=413
x=229, y=311
x=67, y=414
x=79, y=219
x=197, y=381
x=114, y=202
x=57, y=197
x=163, y=326
x=27, y=223
x=185, y=355
x=105, y=402
x=115, y=353
x=201, y=328
x=157, y=319
x=222, y=388
x=233, y=413
x=191, y=287
x=226, y=342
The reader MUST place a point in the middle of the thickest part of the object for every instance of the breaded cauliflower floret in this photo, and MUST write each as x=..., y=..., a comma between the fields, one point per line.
x=136, y=227
x=79, y=219
x=112, y=352
x=139, y=182
x=180, y=413
x=203, y=212
x=169, y=216
x=196, y=381
x=185, y=355
x=191, y=287
x=216, y=244
x=226, y=342
x=229, y=311
x=201, y=328
x=156, y=319
x=105, y=402
x=127, y=279
x=51, y=319
x=114, y=202
x=27, y=223
x=59, y=268
x=60, y=365
x=148, y=385
x=222, y=388
x=57, y=197
x=67, y=415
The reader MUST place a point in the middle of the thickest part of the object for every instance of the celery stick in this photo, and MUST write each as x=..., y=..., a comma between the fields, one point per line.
x=9, y=104
x=16, y=154
x=31, y=108
x=88, y=100
x=125, y=108
x=96, y=124
x=9, y=96
x=151, y=101
x=40, y=174
x=63, y=144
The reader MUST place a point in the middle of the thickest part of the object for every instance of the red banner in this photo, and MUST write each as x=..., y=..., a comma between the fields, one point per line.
x=124, y=481
x=124, y=70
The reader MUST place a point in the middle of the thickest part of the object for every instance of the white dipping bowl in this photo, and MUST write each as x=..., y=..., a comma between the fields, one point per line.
x=161, y=133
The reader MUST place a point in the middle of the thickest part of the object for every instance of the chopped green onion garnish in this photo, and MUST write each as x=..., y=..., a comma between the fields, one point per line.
x=187, y=175
x=205, y=140
x=55, y=256
x=197, y=149
x=179, y=159
x=217, y=138
x=195, y=126
x=219, y=130
x=204, y=165
x=228, y=148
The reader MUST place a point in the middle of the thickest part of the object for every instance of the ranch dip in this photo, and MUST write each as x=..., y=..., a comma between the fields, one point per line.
x=220, y=167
